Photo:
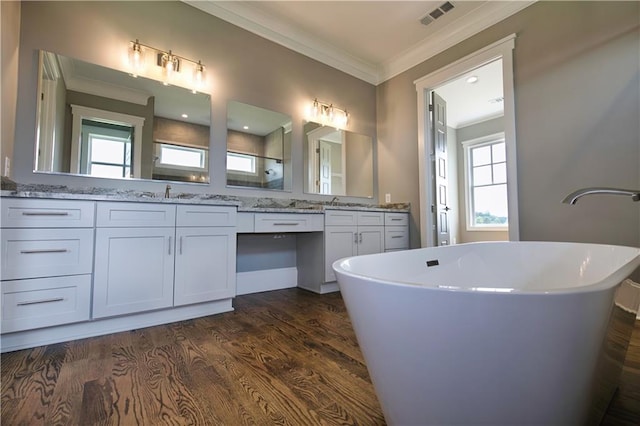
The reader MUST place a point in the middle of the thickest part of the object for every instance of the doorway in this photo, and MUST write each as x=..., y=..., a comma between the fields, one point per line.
x=466, y=211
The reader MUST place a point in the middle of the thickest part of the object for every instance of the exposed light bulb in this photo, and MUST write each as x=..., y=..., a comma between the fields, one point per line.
x=169, y=63
x=135, y=58
x=198, y=75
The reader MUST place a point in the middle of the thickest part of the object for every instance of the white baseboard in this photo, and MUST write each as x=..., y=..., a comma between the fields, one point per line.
x=99, y=327
x=266, y=280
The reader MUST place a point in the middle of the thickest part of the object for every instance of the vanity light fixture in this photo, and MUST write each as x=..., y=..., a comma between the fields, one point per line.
x=328, y=115
x=170, y=63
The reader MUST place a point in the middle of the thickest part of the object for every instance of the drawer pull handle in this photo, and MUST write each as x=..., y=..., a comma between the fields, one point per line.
x=37, y=302
x=286, y=223
x=397, y=236
x=396, y=218
x=44, y=251
x=170, y=240
x=45, y=213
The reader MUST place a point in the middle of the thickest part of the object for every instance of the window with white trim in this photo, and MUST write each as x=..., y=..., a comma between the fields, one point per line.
x=108, y=149
x=486, y=184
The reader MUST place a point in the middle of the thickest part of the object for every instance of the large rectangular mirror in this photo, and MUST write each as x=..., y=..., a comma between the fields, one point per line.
x=338, y=162
x=102, y=122
x=258, y=147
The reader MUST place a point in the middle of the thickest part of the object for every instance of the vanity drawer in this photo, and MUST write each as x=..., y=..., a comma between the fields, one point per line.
x=340, y=218
x=396, y=219
x=206, y=216
x=118, y=215
x=370, y=218
x=34, y=253
x=353, y=218
x=35, y=213
x=288, y=222
x=44, y=302
x=396, y=238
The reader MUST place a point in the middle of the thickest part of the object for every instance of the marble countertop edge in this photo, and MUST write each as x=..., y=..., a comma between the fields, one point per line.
x=244, y=204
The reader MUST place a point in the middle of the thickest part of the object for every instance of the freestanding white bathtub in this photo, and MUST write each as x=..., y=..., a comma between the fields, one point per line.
x=505, y=333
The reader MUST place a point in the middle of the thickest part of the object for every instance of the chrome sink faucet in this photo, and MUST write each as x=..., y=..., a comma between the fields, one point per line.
x=167, y=191
x=333, y=201
x=574, y=196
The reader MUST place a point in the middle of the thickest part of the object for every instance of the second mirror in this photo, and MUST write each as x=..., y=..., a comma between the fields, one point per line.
x=258, y=147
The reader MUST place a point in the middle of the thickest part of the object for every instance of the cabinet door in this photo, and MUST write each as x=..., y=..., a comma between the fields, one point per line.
x=133, y=270
x=339, y=242
x=205, y=264
x=370, y=239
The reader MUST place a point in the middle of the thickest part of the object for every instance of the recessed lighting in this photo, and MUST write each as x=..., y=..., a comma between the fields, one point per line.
x=245, y=127
x=472, y=79
x=185, y=116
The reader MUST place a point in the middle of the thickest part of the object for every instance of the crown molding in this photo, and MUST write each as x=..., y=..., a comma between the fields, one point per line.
x=244, y=16
x=273, y=29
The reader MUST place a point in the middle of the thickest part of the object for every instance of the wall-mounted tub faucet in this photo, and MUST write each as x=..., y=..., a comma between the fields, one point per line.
x=574, y=196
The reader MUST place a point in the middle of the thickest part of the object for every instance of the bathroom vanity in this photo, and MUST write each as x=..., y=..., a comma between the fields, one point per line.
x=81, y=265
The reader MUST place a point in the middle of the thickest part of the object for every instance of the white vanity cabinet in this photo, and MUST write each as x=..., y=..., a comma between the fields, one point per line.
x=351, y=233
x=347, y=233
x=134, y=258
x=46, y=265
x=205, y=267
x=396, y=231
x=154, y=256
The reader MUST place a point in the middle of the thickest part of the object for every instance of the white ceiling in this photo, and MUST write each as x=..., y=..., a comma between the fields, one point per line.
x=472, y=103
x=371, y=40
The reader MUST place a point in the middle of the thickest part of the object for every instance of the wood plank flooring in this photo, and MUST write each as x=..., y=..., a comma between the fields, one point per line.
x=286, y=357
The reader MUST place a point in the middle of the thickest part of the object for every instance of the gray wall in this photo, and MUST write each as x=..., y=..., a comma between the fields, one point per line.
x=577, y=107
x=10, y=16
x=359, y=163
x=241, y=66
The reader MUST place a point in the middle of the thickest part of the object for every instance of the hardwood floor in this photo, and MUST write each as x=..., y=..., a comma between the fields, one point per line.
x=285, y=357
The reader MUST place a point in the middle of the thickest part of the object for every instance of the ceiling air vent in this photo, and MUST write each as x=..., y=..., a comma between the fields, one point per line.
x=436, y=13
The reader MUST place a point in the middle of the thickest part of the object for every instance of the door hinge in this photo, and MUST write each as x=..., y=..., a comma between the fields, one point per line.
x=430, y=107
x=433, y=210
x=317, y=150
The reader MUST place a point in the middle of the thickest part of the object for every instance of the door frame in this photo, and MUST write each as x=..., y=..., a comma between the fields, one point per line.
x=500, y=49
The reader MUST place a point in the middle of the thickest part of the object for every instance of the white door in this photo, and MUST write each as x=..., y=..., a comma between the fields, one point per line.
x=439, y=119
x=133, y=270
x=205, y=264
x=339, y=242
x=370, y=239
x=325, y=167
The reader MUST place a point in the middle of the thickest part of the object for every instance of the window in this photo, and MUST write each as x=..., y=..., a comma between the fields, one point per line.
x=106, y=124
x=486, y=184
x=182, y=156
x=241, y=162
x=108, y=149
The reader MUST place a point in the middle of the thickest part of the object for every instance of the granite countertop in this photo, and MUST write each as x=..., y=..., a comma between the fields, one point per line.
x=244, y=204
